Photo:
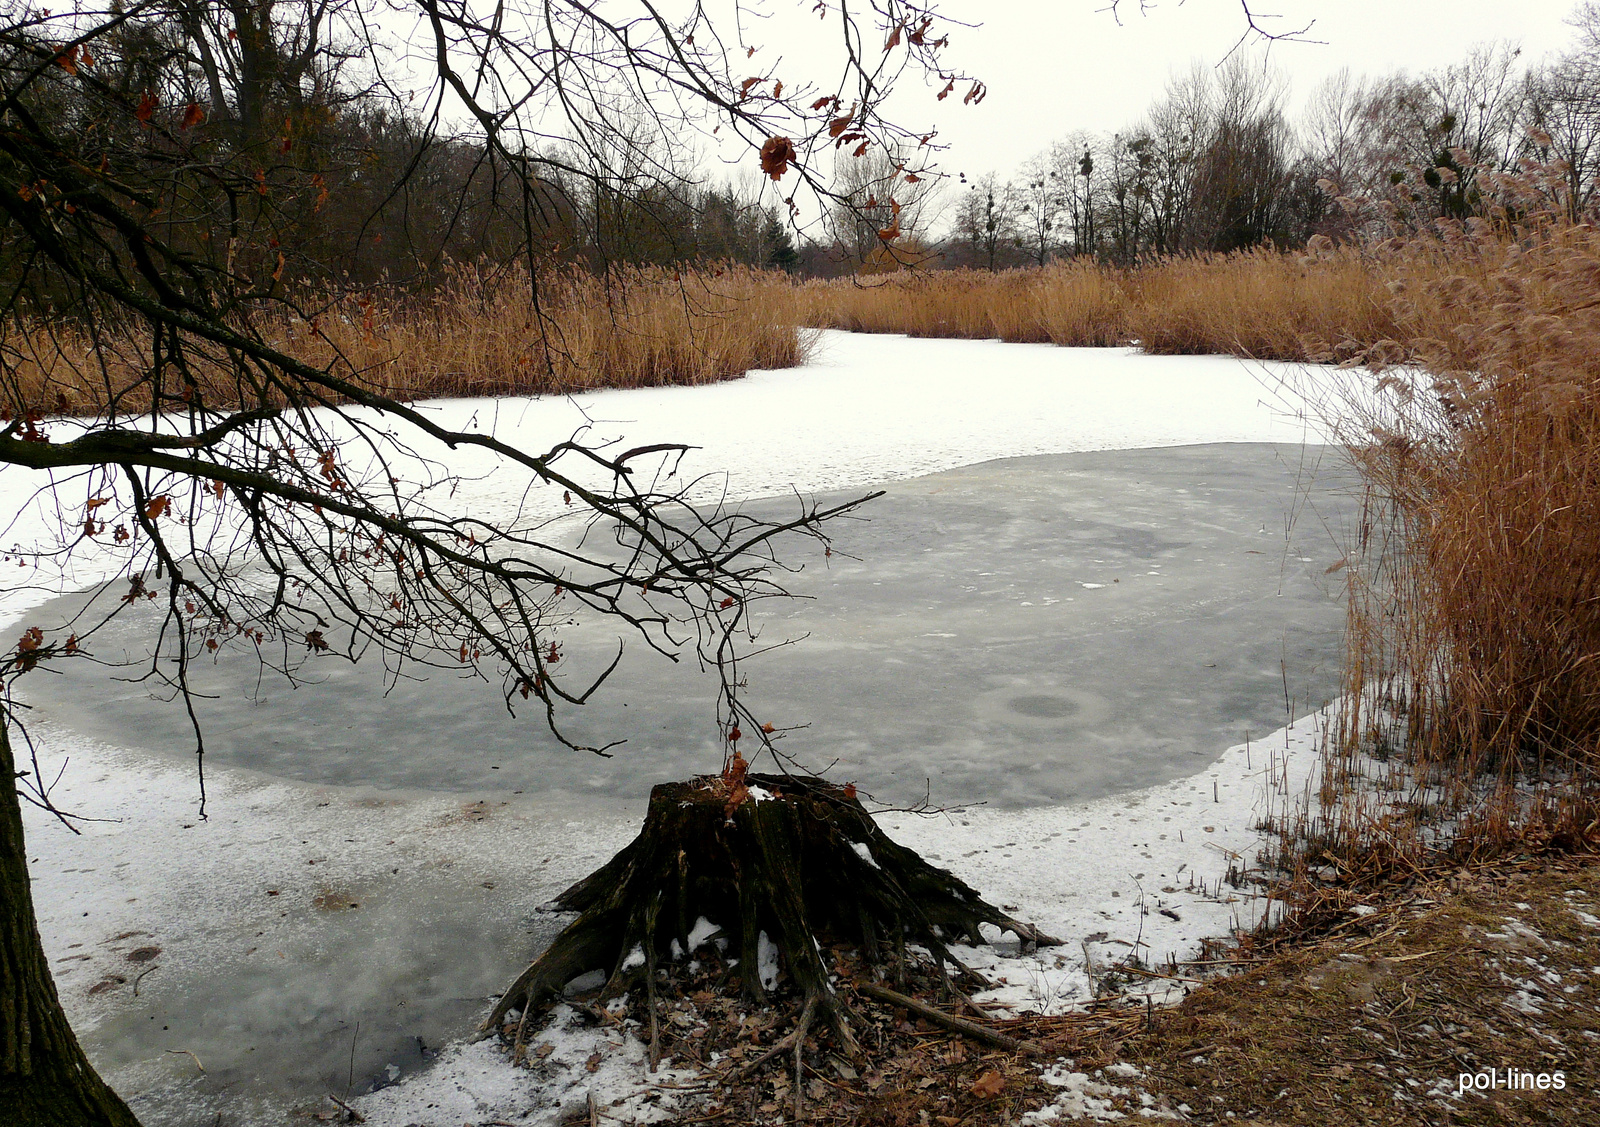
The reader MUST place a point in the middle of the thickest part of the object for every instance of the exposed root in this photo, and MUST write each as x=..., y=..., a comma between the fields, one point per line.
x=780, y=863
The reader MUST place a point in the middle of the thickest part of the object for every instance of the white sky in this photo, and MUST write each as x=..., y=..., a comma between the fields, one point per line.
x=1055, y=66
x=1052, y=67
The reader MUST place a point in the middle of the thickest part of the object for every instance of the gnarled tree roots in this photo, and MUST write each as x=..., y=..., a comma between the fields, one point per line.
x=780, y=866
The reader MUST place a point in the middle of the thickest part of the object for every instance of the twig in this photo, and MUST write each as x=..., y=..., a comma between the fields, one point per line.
x=789, y=1040
x=350, y=1081
x=519, y=1047
x=1191, y=1052
x=1160, y=976
x=140, y=978
x=817, y=1073
x=355, y=1116
x=949, y=1021
x=186, y=1052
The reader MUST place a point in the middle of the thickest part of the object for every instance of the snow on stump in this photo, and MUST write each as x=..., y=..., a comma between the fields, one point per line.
x=780, y=865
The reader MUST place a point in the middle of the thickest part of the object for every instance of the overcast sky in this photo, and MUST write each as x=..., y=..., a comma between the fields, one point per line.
x=1052, y=67
x=1058, y=66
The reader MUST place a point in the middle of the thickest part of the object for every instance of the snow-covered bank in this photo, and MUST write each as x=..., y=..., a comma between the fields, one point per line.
x=1142, y=876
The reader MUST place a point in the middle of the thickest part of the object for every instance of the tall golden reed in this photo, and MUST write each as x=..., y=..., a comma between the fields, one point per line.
x=1483, y=454
x=1260, y=303
x=479, y=333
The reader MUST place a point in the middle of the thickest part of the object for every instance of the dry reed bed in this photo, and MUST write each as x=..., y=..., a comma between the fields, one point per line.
x=1470, y=731
x=479, y=333
x=1261, y=304
x=1485, y=626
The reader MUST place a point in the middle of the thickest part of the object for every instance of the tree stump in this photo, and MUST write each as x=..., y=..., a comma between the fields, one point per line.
x=794, y=859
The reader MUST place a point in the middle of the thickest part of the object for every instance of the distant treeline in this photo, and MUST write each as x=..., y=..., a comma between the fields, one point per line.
x=317, y=174
x=1217, y=166
x=265, y=152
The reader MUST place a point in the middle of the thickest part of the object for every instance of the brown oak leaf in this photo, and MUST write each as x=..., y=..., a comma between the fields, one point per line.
x=990, y=1084
x=776, y=156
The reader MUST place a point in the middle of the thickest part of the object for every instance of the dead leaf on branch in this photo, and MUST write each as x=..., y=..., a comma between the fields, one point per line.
x=776, y=156
x=28, y=648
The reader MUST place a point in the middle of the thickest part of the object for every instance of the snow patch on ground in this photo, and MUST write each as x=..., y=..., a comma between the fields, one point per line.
x=572, y=1067
x=767, y=961
x=1098, y=1098
x=1137, y=879
x=703, y=930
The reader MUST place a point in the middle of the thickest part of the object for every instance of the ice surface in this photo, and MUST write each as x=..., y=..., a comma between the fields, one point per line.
x=288, y=917
x=1025, y=631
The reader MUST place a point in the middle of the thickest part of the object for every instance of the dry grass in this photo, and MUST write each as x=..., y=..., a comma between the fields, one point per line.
x=1477, y=610
x=1260, y=304
x=1062, y=304
x=1366, y=1024
x=477, y=334
x=1264, y=305
x=1470, y=731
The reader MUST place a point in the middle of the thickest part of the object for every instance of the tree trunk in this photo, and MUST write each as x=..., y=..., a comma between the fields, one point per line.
x=45, y=1079
x=776, y=866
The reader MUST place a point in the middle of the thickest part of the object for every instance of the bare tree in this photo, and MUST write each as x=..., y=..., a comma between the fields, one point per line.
x=1083, y=181
x=152, y=178
x=883, y=206
x=1243, y=165
x=1040, y=198
x=985, y=220
x=1564, y=114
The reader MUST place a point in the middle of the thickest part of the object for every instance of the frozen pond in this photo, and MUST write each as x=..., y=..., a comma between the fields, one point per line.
x=1023, y=632
x=1026, y=631
x=1093, y=572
